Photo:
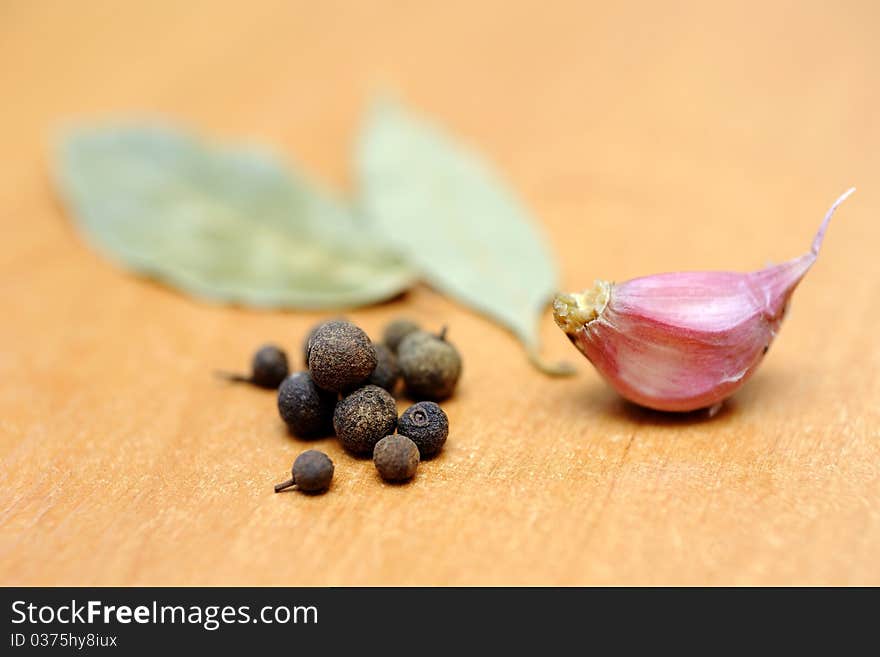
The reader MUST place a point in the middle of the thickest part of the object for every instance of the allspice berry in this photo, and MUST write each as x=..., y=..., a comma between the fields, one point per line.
x=430, y=365
x=396, y=458
x=340, y=356
x=306, y=409
x=311, y=334
x=396, y=331
x=426, y=425
x=268, y=368
x=308, y=341
x=311, y=473
x=364, y=417
x=387, y=372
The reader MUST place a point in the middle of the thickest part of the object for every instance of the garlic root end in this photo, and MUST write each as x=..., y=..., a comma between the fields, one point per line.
x=572, y=311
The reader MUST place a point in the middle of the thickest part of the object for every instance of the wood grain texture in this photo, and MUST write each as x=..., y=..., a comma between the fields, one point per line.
x=646, y=137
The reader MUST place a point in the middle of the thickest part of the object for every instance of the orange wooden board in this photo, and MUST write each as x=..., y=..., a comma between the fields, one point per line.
x=646, y=137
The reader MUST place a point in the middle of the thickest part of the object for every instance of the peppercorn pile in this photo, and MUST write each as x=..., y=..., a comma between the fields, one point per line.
x=348, y=389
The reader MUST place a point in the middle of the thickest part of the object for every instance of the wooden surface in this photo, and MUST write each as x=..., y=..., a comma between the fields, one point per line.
x=646, y=137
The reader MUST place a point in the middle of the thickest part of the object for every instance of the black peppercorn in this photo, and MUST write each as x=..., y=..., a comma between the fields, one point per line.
x=307, y=410
x=396, y=458
x=364, y=417
x=268, y=368
x=387, y=372
x=426, y=425
x=340, y=356
x=396, y=331
x=430, y=365
x=311, y=473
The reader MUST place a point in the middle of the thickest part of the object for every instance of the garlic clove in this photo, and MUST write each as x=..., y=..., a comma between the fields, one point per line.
x=686, y=340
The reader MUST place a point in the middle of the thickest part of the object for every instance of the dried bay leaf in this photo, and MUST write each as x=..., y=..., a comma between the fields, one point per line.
x=456, y=222
x=226, y=224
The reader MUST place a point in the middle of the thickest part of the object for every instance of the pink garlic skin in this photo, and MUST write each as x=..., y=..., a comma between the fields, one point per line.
x=683, y=341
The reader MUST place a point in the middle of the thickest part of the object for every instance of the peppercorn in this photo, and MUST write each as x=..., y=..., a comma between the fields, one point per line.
x=311, y=473
x=387, y=372
x=268, y=368
x=364, y=417
x=311, y=334
x=396, y=458
x=340, y=356
x=430, y=365
x=426, y=425
x=305, y=408
x=308, y=340
x=396, y=331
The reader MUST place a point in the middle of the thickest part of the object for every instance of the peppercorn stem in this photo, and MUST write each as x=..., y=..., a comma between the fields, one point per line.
x=232, y=376
x=284, y=484
x=442, y=334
